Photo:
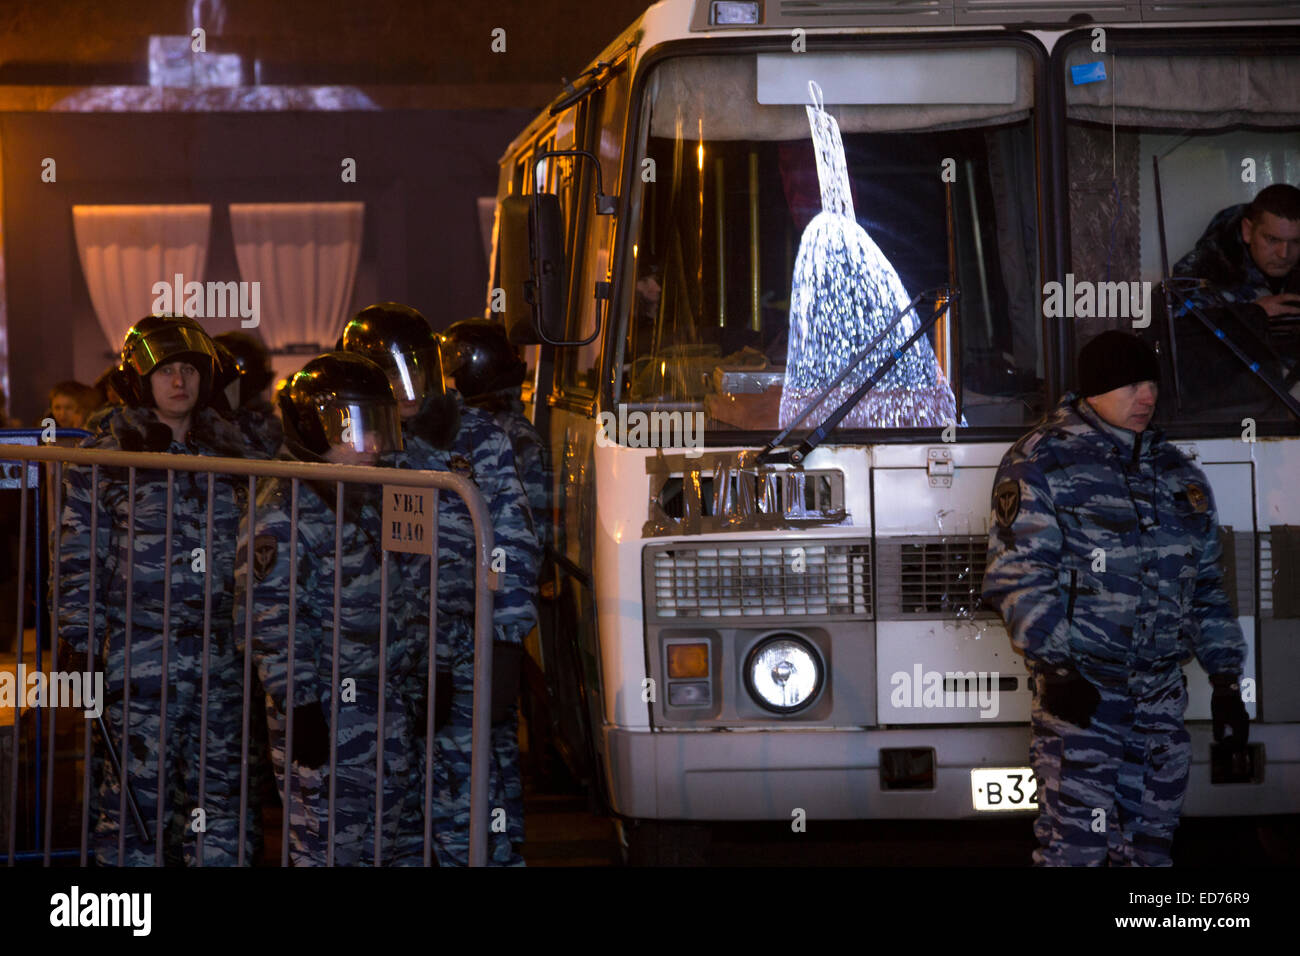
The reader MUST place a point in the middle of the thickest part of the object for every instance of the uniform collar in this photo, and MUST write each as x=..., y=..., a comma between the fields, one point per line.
x=1076, y=417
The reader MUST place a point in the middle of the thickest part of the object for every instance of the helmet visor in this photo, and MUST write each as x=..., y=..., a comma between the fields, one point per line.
x=159, y=346
x=407, y=377
x=455, y=356
x=414, y=375
x=365, y=427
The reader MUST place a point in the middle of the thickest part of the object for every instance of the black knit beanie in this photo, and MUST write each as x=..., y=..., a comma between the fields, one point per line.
x=1115, y=359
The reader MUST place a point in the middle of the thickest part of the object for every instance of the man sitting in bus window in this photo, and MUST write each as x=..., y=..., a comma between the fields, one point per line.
x=1249, y=253
x=1249, y=285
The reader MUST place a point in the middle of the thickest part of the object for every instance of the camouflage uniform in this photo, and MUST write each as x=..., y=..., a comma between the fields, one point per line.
x=262, y=430
x=358, y=715
x=480, y=451
x=209, y=435
x=530, y=461
x=1073, y=485
x=258, y=421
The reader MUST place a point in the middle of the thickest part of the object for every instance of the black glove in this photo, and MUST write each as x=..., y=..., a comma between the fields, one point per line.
x=1069, y=695
x=1228, y=710
x=71, y=659
x=507, y=667
x=155, y=437
x=311, y=736
x=441, y=706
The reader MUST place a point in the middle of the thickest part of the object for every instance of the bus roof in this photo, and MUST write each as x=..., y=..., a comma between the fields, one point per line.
x=672, y=20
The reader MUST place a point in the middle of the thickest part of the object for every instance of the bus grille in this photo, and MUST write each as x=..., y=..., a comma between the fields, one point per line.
x=760, y=579
x=932, y=577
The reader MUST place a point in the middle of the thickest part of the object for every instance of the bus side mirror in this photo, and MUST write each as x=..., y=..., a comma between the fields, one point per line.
x=530, y=243
x=515, y=270
x=546, y=290
x=546, y=286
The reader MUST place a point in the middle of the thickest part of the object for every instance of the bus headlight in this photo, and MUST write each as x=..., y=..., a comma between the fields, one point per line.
x=783, y=673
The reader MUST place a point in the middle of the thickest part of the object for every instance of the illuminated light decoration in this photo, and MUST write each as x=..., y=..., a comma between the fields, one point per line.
x=844, y=292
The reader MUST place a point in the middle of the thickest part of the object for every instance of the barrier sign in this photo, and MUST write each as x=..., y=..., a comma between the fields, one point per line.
x=11, y=472
x=408, y=519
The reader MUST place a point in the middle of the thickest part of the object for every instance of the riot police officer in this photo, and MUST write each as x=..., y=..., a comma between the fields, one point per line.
x=442, y=433
x=165, y=379
x=1104, y=563
x=489, y=373
x=248, y=375
x=338, y=409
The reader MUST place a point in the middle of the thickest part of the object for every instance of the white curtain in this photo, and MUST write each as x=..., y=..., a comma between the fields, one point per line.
x=124, y=250
x=305, y=257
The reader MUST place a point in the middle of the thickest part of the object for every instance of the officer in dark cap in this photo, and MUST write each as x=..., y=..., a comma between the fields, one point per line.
x=1104, y=564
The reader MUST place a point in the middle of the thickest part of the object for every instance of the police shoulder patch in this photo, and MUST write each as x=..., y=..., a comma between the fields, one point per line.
x=1197, y=497
x=1006, y=502
x=264, y=552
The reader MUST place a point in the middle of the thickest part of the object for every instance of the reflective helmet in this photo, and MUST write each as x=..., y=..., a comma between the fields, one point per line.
x=400, y=341
x=250, y=364
x=339, y=399
x=225, y=386
x=159, y=340
x=480, y=359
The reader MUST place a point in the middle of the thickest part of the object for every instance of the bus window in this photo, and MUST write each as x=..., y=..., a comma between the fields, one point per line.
x=1223, y=127
x=737, y=185
x=581, y=365
x=561, y=176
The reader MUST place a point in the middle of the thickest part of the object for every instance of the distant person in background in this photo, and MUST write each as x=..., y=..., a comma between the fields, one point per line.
x=108, y=397
x=72, y=403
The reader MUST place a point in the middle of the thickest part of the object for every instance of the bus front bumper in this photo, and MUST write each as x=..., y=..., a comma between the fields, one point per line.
x=835, y=774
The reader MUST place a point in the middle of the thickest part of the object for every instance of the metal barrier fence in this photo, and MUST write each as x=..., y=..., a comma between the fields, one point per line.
x=485, y=581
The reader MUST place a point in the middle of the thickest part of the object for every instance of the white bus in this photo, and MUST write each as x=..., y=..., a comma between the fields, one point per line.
x=744, y=625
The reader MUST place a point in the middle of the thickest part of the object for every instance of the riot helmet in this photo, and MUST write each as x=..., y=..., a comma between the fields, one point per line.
x=339, y=401
x=225, y=386
x=250, y=365
x=479, y=358
x=400, y=341
x=158, y=340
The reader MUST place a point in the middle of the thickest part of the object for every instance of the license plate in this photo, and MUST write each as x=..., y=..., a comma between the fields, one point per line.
x=1004, y=788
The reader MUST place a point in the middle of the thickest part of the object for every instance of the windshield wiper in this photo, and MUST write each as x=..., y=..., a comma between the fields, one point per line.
x=1277, y=387
x=795, y=456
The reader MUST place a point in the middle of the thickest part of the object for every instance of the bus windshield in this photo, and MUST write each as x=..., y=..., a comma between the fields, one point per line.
x=781, y=226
